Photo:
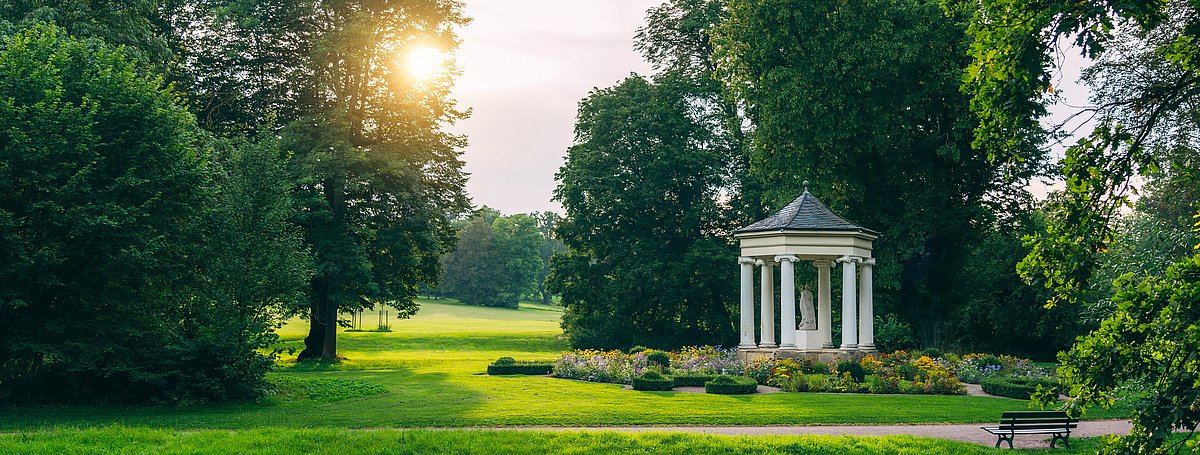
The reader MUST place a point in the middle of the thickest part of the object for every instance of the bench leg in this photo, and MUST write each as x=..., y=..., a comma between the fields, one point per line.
x=1060, y=437
x=1002, y=438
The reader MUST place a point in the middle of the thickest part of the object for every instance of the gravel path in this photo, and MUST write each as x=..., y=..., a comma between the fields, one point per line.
x=958, y=432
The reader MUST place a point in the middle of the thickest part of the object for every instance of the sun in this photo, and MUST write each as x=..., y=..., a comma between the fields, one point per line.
x=425, y=63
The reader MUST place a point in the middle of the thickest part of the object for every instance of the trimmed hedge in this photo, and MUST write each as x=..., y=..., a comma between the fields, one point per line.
x=692, y=380
x=731, y=385
x=1019, y=388
x=506, y=365
x=652, y=381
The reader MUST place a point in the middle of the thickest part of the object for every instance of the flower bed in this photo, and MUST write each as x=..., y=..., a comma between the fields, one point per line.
x=975, y=368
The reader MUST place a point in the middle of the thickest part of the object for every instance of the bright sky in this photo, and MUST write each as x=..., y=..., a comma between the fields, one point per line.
x=526, y=65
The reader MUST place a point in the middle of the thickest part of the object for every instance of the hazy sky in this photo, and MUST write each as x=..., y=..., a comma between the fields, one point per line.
x=526, y=65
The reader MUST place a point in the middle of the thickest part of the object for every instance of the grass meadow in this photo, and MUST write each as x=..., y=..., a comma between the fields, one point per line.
x=429, y=373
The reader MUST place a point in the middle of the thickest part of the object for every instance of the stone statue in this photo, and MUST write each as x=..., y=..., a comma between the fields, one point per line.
x=808, y=315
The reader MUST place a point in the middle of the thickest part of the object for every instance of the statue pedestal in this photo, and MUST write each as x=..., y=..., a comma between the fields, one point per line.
x=808, y=339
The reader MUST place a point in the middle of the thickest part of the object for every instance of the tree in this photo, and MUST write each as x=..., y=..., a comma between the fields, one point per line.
x=472, y=271
x=379, y=178
x=1146, y=86
x=646, y=260
x=116, y=233
x=517, y=241
x=547, y=223
x=862, y=99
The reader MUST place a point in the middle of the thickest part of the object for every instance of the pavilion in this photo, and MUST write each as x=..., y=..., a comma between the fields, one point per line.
x=806, y=230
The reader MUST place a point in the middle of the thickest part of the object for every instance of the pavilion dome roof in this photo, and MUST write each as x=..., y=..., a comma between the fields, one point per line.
x=805, y=213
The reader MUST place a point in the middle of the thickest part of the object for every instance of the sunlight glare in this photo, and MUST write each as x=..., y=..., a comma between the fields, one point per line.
x=425, y=63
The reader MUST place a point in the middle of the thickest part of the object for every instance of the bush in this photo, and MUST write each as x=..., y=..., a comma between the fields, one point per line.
x=854, y=368
x=659, y=358
x=509, y=365
x=932, y=353
x=796, y=383
x=692, y=380
x=892, y=334
x=814, y=368
x=505, y=361
x=731, y=385
x=652, y=381
x=637, y=349
x=1019, y=388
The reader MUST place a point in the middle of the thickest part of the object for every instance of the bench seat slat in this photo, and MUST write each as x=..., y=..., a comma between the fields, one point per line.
x=1021, y=421
x=1034, y=426
x=994, y=430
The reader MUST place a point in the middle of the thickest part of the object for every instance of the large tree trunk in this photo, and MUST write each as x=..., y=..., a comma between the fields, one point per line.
x=315, y=340
x=322, y=331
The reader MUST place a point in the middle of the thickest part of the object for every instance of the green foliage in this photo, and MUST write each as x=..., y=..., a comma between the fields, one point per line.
x=731, y=385
x=854, y=368
x=893, y=334
x=1020, y=388
x=325, y=390
x=932, y=353
x=658, y=358
x=692, y=380
x=139, y=264
x=505, y=361
x=1148, y=345
x=652, y=381
x=645, y=262
x=863, y=100
x=1002, y=312
x=495, y=262
x=134, y=24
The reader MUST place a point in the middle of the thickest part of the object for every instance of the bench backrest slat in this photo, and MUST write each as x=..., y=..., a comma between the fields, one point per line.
x=1033, y=415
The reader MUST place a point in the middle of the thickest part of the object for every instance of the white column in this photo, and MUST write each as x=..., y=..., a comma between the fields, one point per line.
x=787, y=302
x=824, y=304
x=766, y=304
x=849, y=303
x=747, y=321
x=866, y=306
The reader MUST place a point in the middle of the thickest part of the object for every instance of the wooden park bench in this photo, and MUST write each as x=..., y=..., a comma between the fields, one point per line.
x=1013, y=423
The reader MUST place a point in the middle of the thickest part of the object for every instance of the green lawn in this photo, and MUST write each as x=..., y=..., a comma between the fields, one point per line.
x=340, y=442
x=429, y=373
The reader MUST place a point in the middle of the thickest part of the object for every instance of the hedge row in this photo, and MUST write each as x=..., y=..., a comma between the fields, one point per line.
x=537, y=368
x=731, y=385
x=692, y=380
x=1019, y=388
x=664, y=384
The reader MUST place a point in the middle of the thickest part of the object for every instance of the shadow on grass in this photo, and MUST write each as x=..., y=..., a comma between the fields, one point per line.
x=410, y=399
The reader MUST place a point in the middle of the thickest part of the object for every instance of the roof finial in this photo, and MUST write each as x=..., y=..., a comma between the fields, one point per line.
x=806, y=186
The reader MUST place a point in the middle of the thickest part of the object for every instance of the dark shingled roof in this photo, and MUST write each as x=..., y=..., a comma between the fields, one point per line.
x=805, y=213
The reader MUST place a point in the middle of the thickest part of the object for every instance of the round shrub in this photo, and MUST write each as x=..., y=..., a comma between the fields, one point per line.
x=854, y=368
x=932, y=353
x=731, y=385
x=1019, y=388
x=505, y=361
x=652, y=381
x=658, y=358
